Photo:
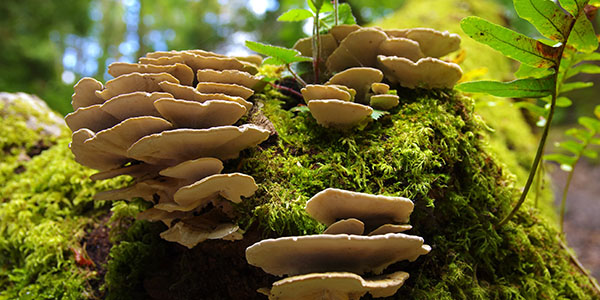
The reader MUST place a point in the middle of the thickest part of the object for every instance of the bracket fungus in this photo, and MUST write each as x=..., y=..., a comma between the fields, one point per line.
x=427, y=72
x=151, y=123
x=338, y=113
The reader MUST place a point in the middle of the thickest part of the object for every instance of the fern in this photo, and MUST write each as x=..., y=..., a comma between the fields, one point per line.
x=546, y=64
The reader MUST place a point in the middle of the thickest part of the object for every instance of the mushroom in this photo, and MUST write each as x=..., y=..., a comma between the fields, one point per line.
x=161, y=61
x=154, y=214
x=231, y=77
x=91, y=157
x=434, y=43
x=401, y=47
x=340, y=32
x=210, y=226
x=347, y=226
x=253, y=59
x=91, y=117
x=85, y=93
x=380, y=88
x=390, y=228
x=225, y=88
x=427, y=72
x=384, y=102
x=135, y=82
x=359, y=79
x=200, y=62
x=182, y=72
x=316, y=92
x=337, y=113
x=194, y=169
x=191, y=114
x=229, y=186
x=134, y=104
x=135, y=170
x=328, y=45
x=334, y=252
x=174, y=146
x=358, y=49
x=189, y=93
x=336, y=286
x=332, y=204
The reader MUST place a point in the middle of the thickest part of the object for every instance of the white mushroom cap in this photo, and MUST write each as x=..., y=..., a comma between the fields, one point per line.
x=401, y=47
x=359, y=79
x=231, y=77
x=91, y=157
x=336, y=285
x=427, y=72
x=91, y=117
x=191, y=114
x=332, y=204
x=334, y=252
x=340, y=32
x=358, y=49
x=182, y=72
x=189, y=93
x=225, y=88
x=135, y=82
x=337, y=113
x=134, y=104
x=174, y=146
x=85, y=93
x=390, y=228
x=316, y=92
x=434, y=43
x=380, y=88
x=192, y=235
x=384, y=101
x=229, y=186
x=195, y=169
x=347, y=226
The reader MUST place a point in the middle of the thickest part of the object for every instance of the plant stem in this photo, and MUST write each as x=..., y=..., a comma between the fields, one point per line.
x=302, y=82
x=538, y=180
x=287, y=89
x=580, y=266
x=563, y=201
x=316, y=46
x=335, y=12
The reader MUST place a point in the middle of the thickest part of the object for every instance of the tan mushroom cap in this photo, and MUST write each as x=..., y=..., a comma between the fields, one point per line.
x=332, y=204
x=231, y=77
x=90, y=117
x=189, y=93
x=385, y=101
x=139, y=190
x=328, y=45
x=136, y=170
x=434, y=43
x=135, y=82
x=358, y=49
x=347, y=226
x=401, y=47
x=317, y=91
x=337, y=113
x=225, y=88
x=85, y=93
x=340, y=32
x=159, y=54
x=161, y=61
x=390, y=228
x=91, y=157
x=191, y=235
x=191, y=114
x=253, y=59
x=175, y=146
x=359, y=79
x=380, y=88
x=336, y=285
x=200, y=62
x=358, y=254
x=229, y=186
x=182, y=72
x=194, y=169
x=154, y=214
x=119, y=138
x=427, y=72
x=134, y=104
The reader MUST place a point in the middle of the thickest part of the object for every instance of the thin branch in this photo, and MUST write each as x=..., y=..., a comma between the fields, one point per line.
x=287, y=89
x=580, y=266
x=302, y=82
x=335, y=12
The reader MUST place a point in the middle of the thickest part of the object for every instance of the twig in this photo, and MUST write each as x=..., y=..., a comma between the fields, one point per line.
x=287, y=89
x=580, y=266
x=302, y=82
x=335, y=11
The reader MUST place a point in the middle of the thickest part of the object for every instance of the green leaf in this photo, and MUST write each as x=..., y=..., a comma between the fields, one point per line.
x=510, y=43
x=560, y=158
x=589, y=123
x=279, y=55
x=546, y=16
x=567, y=87
x=595, y=141
x=376, y=114
x=590, y=153
x=537, y=110
x=573, y=6
x=526, y=71
x=572, y=146
x=344, y=17
x=597, y=111
x=583, y=37
x=583, y=68
x=529, y=87
x=295, y=15
x=300, y=109
x=324, y=6
x=580, y=134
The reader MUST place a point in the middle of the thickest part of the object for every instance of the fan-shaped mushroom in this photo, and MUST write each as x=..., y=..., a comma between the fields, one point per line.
x=135, y=82
x=337, y=113
x=182, y=72
x=191, y=114
x=316, y=92
x=358, y=49
x=85, y=93
x=359, y=79
x=427, y=72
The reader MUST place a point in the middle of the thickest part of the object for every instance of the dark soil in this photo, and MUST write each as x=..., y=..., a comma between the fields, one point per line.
x=582, y=217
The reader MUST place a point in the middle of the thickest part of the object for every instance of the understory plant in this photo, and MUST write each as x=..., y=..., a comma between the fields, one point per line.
x=546, y=63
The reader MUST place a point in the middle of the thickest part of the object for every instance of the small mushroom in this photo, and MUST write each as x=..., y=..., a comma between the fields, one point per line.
x=230, y=77
x=91, y=117
x=359, y=79
x=225, y=88
x=384, y=102
x=135, y=170
x=347, y=226
x=161, y=61
x=380, y=88
x=198, y=231
x=390, y=228
x=358, y=254
x=316, y=92
x=229, y=186
x=134, y=104
x=191, y=114
x=340, y=32
x=401, y=47
x=327, y=41
x=182, y=72
x=337, y=113
x=194, y=169
x=154, y=214
x=253, y=59
x=85, y=93
x=135, y=82
x=189, y=93
x=200, y=62
x=427, y=72
x=434, y=43
x=332, y=204
x=358, y=49
x=91, y=157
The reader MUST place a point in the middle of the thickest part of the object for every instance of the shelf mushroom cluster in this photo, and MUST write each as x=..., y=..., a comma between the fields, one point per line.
x=329, y=265
x=346, y=99
x=409, y=57
x=168, y=121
